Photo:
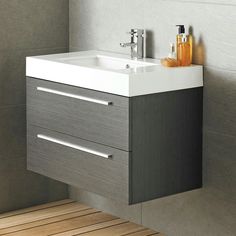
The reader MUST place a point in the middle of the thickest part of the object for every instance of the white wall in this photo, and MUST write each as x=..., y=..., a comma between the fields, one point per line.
x=101, y=24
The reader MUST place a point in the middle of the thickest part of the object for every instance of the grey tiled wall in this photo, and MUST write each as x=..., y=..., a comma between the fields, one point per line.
x=28, y=27
x=101, y=24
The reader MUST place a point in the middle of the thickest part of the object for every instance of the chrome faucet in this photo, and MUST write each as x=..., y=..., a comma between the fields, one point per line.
x=137, y=43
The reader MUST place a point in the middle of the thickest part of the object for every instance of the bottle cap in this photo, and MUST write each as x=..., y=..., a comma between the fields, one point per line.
x=181, y=29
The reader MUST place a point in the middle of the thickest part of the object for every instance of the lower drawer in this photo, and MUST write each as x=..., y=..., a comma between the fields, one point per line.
x=87, y=165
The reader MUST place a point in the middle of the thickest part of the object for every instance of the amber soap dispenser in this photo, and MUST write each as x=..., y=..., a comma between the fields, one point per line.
x=184, y=52
x=184, y=47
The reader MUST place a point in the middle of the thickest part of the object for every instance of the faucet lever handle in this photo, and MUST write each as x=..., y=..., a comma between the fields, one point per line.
x=137, y=32
x=137, y=44
x=130, y=32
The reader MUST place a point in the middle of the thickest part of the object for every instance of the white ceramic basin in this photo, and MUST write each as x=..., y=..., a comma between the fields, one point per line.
x=105, y=62
x=113, y=73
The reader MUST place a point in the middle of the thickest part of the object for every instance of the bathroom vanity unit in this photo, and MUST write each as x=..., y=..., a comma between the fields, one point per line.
x=128, y=130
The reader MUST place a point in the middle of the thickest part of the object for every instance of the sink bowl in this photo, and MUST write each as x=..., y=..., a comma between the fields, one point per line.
x=105, y=62
x=113, y=73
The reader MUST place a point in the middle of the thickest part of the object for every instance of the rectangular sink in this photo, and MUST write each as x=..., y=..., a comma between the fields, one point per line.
x=105, y=62
x=113, y=73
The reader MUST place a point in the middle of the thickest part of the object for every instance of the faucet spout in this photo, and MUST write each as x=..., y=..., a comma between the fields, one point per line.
x=137, y=44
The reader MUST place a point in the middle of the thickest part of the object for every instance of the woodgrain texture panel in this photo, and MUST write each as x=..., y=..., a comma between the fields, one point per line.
x=83, y=220
x=109, y=177
x=166, y=143
x=107, y=125
x=165, y=132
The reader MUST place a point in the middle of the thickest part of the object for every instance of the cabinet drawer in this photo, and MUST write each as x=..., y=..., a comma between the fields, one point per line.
x=91, y=115
x=87, y=165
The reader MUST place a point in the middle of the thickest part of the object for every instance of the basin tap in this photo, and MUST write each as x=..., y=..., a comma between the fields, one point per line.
x=137, y=44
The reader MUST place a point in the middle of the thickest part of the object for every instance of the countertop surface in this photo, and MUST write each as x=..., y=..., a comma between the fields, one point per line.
x=108, y=72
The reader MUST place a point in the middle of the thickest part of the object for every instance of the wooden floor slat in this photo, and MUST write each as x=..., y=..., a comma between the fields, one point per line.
x=46, y=221
x=65, y=225
x=117, y=230
x=91, y=228
x=67, y=218
x=145, y=232
x=35, y=208
x=41, y=214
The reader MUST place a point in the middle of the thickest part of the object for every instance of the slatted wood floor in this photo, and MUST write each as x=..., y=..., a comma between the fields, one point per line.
x=67, y=218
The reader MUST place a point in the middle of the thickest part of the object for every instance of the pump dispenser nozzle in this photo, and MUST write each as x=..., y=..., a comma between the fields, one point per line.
x=181, y=29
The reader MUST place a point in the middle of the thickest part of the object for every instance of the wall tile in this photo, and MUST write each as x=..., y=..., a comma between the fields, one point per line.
x=33, y=24
x=13, y=131
x=101, y=24
x=220, y=101
x=12, y=71
x=27, y=27
x=132, y=213
x=194, y=213
x=16, y=182
x=219, y=164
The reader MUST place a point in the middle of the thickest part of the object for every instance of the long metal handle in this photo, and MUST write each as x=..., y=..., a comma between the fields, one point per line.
x=71, y=145
x=70, y=95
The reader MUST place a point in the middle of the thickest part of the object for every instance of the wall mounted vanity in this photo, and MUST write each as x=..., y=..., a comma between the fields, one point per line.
x=128, y=130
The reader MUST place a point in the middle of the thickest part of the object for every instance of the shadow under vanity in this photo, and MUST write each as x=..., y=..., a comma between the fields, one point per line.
x=135, y=145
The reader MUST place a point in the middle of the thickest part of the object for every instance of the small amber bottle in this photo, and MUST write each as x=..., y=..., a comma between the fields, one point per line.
x=179, y=37
x=190, y=40
x=184, y=52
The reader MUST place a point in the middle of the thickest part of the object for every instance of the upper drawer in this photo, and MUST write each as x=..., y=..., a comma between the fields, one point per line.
x=91, y=115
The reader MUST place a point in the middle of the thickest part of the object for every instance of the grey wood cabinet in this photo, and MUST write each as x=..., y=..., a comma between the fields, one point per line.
x=128, y=149
x=51, y=154
x=107, y=124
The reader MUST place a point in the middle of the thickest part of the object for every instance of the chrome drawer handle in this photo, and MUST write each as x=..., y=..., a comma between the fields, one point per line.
x=71, y=145
x=71, y=95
